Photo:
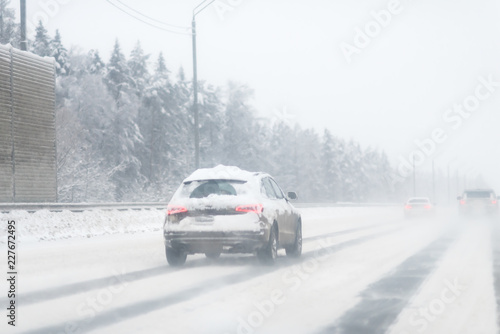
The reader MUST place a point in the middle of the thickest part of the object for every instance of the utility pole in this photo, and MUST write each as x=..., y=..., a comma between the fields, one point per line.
x=449, y=194
x=433, y=184
x=195, y=99
x=24, y=43
x=414, y=179
x=201, y=6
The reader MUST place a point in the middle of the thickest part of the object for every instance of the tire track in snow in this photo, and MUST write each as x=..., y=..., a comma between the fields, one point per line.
x=495, y=246
x=116, y=315
x=352, y=230
x=383, y=300
x=104, y=282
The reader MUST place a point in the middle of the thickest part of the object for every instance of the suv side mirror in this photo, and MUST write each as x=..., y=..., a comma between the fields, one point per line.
x=459, y=198
x=292, y=195
x=498, y=197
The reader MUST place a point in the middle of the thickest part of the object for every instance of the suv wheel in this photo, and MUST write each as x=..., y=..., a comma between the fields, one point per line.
x=212, y=255
x=175, y=257
x=296, y=249
x=269, y=254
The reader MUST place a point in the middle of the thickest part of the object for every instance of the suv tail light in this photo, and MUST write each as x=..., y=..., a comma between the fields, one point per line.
x=407, y=206
x=462, y=202
x=428, y=206
x=174, y=209
x=494, y=201
x=257, y=208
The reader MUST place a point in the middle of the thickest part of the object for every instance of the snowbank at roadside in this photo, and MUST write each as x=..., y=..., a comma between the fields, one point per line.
x=45, y=225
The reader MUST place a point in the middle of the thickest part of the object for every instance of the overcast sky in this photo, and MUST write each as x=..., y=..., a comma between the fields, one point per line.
x=385, y=73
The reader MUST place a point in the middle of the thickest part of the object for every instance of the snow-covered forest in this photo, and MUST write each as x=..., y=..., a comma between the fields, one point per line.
x=125, y=131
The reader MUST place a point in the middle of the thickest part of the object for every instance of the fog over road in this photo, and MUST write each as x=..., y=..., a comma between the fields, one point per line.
x=363, y=270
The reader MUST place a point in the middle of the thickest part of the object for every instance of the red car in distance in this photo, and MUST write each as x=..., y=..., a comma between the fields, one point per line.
x=418, y=207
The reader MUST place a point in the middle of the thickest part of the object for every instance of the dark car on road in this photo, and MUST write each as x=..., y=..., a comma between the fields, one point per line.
x=478, y=202
x=228, y=210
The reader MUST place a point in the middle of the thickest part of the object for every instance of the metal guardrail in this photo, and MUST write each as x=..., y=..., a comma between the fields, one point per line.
x=79, y=207
x=343, y=205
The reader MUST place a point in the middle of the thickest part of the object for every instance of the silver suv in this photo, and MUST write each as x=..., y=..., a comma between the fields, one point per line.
x=228, y=210
x=478, y=202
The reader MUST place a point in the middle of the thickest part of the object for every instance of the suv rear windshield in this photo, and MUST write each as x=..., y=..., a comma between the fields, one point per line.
x=478, y=194
x=419, y=200
x=206, y=188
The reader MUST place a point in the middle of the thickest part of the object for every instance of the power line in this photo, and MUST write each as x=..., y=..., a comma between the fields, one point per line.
x=150, y=18
x=203, y=4
x=148, y=23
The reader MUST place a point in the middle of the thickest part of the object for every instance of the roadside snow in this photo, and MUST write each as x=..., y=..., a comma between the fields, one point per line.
x=45, y=225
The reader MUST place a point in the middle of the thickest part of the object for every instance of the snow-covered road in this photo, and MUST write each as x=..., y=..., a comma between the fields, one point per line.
x=363, y=270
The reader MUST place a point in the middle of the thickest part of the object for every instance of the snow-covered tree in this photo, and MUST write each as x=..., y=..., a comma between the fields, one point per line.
x=95, y=63
x=161, y=67
x=211, y=121
x=330, y=167
x=352, y=172
x=309, y=180
x=181, y=76
x=239, y=146
x=9, y=29
x=118, y=75
x=85, y=118
x=279, y=142
x=151, y=120
x=164, y=121
x=138, y=65
x=41, y=46
x=60, y=54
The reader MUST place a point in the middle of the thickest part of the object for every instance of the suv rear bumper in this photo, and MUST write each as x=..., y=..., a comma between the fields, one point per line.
x=478, y=210
x=216, y=241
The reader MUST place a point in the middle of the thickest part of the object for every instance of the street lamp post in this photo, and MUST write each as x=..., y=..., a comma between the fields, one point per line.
x=201, y=6
x=414, y=178
x=448, y=179
x=433, y=183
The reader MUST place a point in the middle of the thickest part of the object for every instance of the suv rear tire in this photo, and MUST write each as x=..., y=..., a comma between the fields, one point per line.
x=296, y=249
x=212, y=255
x=269, y=254
x=175, y=257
